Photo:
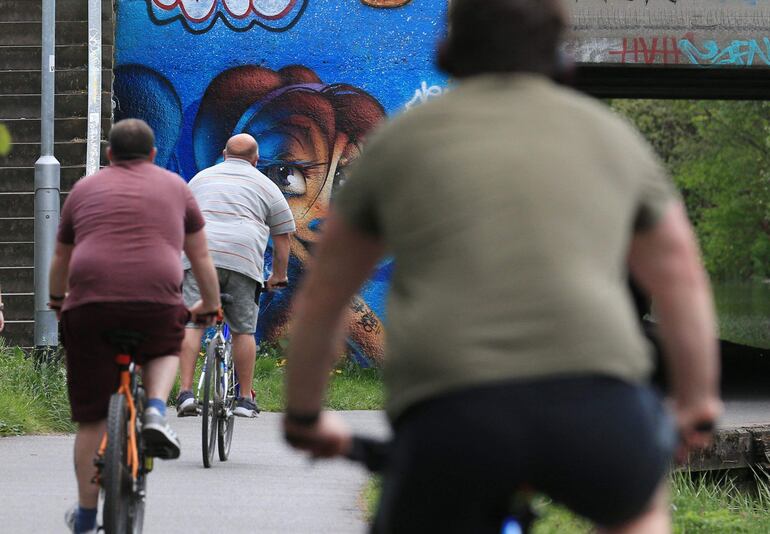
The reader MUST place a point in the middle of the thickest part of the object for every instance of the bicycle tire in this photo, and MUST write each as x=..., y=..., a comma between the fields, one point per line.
x=227, y=419
x=209, y=407
x=136, y=510
x=117, y=478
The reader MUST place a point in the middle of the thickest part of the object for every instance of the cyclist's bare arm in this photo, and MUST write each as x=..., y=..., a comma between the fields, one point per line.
x=343, y=260
x=57, y=277
x=197, y=251
x=279, y=276
x=665, y=260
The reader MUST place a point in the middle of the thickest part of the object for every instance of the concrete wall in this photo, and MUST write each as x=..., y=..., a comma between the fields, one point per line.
x=671, y=32
x=310, y=78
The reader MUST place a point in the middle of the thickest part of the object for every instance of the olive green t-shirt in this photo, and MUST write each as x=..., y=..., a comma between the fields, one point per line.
x=508, y=205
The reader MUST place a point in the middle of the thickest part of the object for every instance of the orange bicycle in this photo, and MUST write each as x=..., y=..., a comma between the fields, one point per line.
x=122, y=465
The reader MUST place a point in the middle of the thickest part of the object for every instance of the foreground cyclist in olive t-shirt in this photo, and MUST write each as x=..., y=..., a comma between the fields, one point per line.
x=514, y=210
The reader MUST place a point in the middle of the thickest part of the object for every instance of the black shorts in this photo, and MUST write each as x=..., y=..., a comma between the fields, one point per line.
x=92, y=374
x=595, y=444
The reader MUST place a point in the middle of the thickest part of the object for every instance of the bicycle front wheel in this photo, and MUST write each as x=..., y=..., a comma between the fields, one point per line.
x=226, y=385
x=209, y=405
x=117, y=481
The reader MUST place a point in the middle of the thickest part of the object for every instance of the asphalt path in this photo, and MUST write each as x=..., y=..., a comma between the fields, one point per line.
x=263, y=488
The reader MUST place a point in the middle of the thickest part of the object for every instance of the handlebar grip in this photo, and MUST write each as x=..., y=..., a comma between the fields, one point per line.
x=372, y=453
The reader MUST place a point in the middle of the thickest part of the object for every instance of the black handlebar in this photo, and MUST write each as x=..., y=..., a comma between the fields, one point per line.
x=372, y=453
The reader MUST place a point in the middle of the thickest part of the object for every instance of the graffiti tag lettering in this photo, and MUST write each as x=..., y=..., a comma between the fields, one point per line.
x=654, y=50
x=737, y=52
x=199, y=16
x=424, y=93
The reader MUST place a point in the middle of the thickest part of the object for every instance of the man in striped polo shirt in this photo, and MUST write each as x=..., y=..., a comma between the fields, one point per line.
x=243, y=208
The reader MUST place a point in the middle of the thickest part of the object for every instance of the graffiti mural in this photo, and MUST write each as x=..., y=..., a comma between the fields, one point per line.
x=666, y=32
x=199, y=16
x=309, y=79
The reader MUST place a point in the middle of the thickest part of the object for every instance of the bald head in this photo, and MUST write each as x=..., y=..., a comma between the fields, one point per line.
x=242, y=146
x=131, y=139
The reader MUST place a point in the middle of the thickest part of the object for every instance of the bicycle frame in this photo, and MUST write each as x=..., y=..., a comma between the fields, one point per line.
x=128, y=370
x=222, y=332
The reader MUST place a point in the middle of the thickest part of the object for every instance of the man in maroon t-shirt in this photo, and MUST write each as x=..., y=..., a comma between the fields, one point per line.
x=117, y=265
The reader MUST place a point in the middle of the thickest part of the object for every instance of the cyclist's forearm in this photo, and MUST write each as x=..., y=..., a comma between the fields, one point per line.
x=689, y=336
x=666, y=262
x=281, y=244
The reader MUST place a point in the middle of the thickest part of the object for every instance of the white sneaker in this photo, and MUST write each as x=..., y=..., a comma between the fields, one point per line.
x=69, y=519
x=160, y=440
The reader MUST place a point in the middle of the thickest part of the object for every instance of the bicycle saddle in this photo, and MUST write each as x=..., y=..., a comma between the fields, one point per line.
x=124, y=340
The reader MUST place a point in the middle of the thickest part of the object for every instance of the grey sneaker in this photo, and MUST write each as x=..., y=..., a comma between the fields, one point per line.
x=69, y=519
x=246, y=408
x=160, y=440
x=186, y=405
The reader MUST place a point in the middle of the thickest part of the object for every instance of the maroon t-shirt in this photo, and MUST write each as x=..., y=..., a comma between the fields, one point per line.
x=128, y=224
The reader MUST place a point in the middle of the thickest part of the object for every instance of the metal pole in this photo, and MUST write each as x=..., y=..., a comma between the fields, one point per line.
x=47, y=185
x=93, y=148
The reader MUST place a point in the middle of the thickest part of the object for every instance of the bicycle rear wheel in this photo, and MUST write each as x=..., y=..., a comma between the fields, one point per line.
x=210, y=407
x=227, y=419
x=117, y=481
x=136, y=510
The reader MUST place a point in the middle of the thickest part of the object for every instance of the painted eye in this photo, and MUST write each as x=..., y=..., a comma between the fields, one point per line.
x=289, y=178
x=340, y=175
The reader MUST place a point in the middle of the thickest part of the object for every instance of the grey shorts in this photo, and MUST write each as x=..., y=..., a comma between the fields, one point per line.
x=241, y=314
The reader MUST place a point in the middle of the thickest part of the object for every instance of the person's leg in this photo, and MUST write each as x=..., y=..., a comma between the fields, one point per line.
x=158, y=376
x=245, y=356
x=617, y=481
x=92, y=377
x=87, y=440
x=185, y=403
x=241, y=316
x=454, y=464
x=655, y=520
x=164, y=329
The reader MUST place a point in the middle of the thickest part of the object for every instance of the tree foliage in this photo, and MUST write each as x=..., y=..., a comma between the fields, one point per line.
x=718, y=153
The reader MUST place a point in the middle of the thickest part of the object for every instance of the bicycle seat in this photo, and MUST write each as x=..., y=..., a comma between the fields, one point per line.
x=125, y=341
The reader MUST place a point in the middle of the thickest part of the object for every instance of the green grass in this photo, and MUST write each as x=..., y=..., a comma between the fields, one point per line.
x=350, y=387
x=33, y=400
x=700, y=505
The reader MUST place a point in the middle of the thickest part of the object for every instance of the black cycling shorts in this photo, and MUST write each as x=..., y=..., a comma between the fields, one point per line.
x=597, y=445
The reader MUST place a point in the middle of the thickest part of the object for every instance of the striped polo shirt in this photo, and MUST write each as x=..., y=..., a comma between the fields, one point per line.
x=242, y=208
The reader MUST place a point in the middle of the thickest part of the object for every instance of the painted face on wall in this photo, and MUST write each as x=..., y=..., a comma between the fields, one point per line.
x=308, y=133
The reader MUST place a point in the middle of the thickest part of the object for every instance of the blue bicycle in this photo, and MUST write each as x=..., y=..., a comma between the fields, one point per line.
x=218, y=392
